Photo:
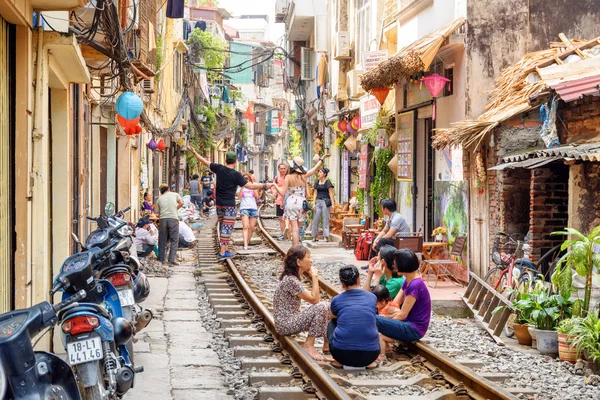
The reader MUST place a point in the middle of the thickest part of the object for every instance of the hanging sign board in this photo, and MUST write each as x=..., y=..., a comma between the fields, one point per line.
x=369, y=108
x=372, y=59
x=275, y=122
x=346, y=173
x=405, y=147
x=363, y=166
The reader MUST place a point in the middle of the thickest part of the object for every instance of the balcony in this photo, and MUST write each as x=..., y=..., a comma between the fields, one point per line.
x=301, y=18
x=281, y=10
x=56, y=5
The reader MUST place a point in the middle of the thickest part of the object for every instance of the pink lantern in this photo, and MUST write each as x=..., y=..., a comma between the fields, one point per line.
x=435, y=84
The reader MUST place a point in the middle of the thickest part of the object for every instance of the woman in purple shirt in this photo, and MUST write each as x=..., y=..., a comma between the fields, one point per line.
x=412, y=321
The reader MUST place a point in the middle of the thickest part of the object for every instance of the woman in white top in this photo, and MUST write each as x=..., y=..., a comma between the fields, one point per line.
x=248, y=212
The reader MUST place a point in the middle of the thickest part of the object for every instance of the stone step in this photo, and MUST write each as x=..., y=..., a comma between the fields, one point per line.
x=270, y=362
x=227, y=323
x=252, y=351
x=281, y=393
x=270, y=378
x=237, y=341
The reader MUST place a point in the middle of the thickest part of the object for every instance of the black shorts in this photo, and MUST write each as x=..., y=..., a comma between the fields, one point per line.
x=279, y=211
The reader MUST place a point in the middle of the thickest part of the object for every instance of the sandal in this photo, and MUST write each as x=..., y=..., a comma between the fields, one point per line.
x=376, y=366
x=336, y=366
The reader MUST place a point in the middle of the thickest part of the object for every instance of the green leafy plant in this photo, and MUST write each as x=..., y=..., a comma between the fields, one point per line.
x=579, y=257
x=371, y=136
x=159, y=56
x=586, y=336
x=566, y=326
x=382, y=182
x=295, y=149
x=204, y=46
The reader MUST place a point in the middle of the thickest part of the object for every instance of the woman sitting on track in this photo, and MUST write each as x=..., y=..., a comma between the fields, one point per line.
x=412, y=321
x=289, y=318
x=382, y=269
x=352, y=333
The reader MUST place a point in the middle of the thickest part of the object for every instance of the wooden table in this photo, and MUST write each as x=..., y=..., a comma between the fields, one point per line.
x=430, y=249
x=355, y=228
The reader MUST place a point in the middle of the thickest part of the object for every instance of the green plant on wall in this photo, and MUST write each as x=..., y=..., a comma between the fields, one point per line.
x=382, y=182
x=295, y=139
x=203, y=45
x=371, y=136
x=243, y=132
x=159, y=56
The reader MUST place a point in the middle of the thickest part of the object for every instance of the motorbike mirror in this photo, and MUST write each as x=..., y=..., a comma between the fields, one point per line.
x=75, y=239
x=109, y=209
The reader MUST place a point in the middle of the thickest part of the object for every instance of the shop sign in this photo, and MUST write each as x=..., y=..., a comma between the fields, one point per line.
x=346, y=183
x=362, y=180
x=372, y=59
x=405, y=147
x=144, y=177
x=274, y=122
x=369, y=108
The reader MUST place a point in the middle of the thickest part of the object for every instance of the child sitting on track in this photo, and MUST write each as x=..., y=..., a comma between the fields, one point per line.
x=386, y=307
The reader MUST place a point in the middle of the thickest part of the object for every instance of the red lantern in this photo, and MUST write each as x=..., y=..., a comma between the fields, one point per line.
x=128, y=123
x=161, y=145
x=381, y=93
x=343, y=126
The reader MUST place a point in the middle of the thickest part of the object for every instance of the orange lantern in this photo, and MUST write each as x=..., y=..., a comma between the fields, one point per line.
x=355, y=123
x=161, y=145
x=380, y=93
x=128, y=123
x=343, y=126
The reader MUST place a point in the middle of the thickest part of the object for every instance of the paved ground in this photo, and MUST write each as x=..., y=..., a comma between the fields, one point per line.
x=175, y=348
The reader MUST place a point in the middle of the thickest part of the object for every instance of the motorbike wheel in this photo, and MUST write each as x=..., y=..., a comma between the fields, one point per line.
x=97, y=391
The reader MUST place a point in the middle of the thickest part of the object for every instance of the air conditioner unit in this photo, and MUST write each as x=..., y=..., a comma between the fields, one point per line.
x=354, y=89
x=148, y=85
x=342, y=46
x=306, y=69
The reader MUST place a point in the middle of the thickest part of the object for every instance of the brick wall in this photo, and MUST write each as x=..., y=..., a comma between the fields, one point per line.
x=580, y=117
x=548, y=207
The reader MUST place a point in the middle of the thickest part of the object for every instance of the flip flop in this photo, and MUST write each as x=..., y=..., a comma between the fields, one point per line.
x=336, y=366
x=376, y=366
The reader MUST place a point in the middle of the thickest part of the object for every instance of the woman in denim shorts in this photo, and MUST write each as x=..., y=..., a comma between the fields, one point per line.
x=249, y=213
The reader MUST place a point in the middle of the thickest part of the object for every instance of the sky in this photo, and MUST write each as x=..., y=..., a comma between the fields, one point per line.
x=255, y=7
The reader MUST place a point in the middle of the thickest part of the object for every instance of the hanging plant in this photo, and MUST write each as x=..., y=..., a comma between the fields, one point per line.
x=382, y=182
x=371, y=136
x=339, y=142
x=480, y=173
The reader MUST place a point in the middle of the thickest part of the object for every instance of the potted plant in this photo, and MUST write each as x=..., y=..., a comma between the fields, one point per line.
x=523, y=308
x=567, y=351
x=439, y=233
x=549, y=310
x=586, y=337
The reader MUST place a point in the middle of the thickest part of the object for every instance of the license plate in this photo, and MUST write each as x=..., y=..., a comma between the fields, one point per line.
x=83, y=351
x=126, y=297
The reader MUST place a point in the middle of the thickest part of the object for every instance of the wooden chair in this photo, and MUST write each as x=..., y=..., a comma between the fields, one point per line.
x=451, y=268
x=411, y=240
x=349, y=237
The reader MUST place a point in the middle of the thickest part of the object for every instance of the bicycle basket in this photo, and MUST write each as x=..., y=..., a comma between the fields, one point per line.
x=504, y=249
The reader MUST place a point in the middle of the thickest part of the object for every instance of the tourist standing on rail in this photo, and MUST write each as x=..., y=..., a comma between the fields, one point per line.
x=395, y=224
x=228, y=180
x=289, y=318
x=295, y=187
x=168, y=229
x=248, y=212
x=323, y=201
x=352, y=333
x=412, y=321
x=279, y=181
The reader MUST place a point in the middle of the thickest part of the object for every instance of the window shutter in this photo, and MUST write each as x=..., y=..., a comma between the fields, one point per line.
x=306, y=64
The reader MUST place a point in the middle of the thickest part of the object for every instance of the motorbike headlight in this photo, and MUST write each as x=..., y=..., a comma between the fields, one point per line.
x=126, y=231
x=11, y=325
x=95, y=238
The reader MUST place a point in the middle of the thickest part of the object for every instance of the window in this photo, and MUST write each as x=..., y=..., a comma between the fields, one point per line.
x=448, y=73
x=363, y=28
x=306, y=64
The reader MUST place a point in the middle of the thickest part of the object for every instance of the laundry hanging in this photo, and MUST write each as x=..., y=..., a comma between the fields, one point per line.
x=175, y=8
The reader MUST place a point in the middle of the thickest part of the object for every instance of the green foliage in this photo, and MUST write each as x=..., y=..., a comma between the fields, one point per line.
x=586, y=334
x=382, y=182
x=295, y=139
x=236, y=95
x=203, y=45
x=211, y=118
x=159, y=56
x=371, y=136
x=579, y=257
x=243, y=132
x=566, y=326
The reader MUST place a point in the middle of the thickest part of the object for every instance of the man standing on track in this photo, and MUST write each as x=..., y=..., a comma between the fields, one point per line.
x=168, y=229
x=195, y=192
x=206, y=183
x=279, y=180
x=228, y=180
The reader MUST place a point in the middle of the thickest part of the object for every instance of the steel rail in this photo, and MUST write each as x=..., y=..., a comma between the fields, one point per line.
x=320, y=379
x=482, y=387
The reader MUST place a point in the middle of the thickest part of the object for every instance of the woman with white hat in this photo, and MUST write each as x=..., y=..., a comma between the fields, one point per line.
x=295, y=186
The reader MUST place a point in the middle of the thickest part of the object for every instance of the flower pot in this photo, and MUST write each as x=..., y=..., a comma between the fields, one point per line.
x=547, y=341
x=439, y=238
x=522, y=334
x=566, y=351
x=531, y=330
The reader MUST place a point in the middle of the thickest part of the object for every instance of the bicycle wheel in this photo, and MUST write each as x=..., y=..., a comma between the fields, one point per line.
x=495, y=279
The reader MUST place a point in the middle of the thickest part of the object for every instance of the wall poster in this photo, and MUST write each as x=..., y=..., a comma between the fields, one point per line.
x=405, y=146
x=346, y=173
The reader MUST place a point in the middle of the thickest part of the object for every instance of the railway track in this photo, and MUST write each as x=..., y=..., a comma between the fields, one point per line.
x=281, y=367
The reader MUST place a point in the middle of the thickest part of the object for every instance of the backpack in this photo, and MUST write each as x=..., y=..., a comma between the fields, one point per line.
x=362, y=250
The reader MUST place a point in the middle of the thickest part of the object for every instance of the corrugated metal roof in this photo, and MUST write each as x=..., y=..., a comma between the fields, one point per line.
x=575, y=89
x=581, y=152
x=529, y=163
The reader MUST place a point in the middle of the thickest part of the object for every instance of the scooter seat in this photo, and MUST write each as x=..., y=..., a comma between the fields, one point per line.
x=83, y=307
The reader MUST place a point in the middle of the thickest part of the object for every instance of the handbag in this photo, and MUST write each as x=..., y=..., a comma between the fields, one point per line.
x=306, y=206
x=328, y=202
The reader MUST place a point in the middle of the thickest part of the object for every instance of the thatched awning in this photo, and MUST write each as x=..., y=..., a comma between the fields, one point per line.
x=414, y=58
x=511, y=93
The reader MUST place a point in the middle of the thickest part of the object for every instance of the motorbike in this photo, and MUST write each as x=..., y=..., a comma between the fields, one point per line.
x=34, y=375
x=96, y=336
x=122, y=267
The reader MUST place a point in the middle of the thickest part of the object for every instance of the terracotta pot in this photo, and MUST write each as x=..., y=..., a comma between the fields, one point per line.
x=522, y=334
x=566, y=351
x=531, y=330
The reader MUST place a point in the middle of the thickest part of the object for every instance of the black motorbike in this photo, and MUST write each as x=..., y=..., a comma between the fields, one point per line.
x=26, y=374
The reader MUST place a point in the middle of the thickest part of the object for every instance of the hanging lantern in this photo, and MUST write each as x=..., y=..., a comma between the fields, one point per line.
x=336, y=126
x=152, y=145
x=355, y=123
x=380, y=93
x=129, y=105
x=435, y=84
x=161, y=145
x=127, y=123
x=343, y=126
x=350, y=129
